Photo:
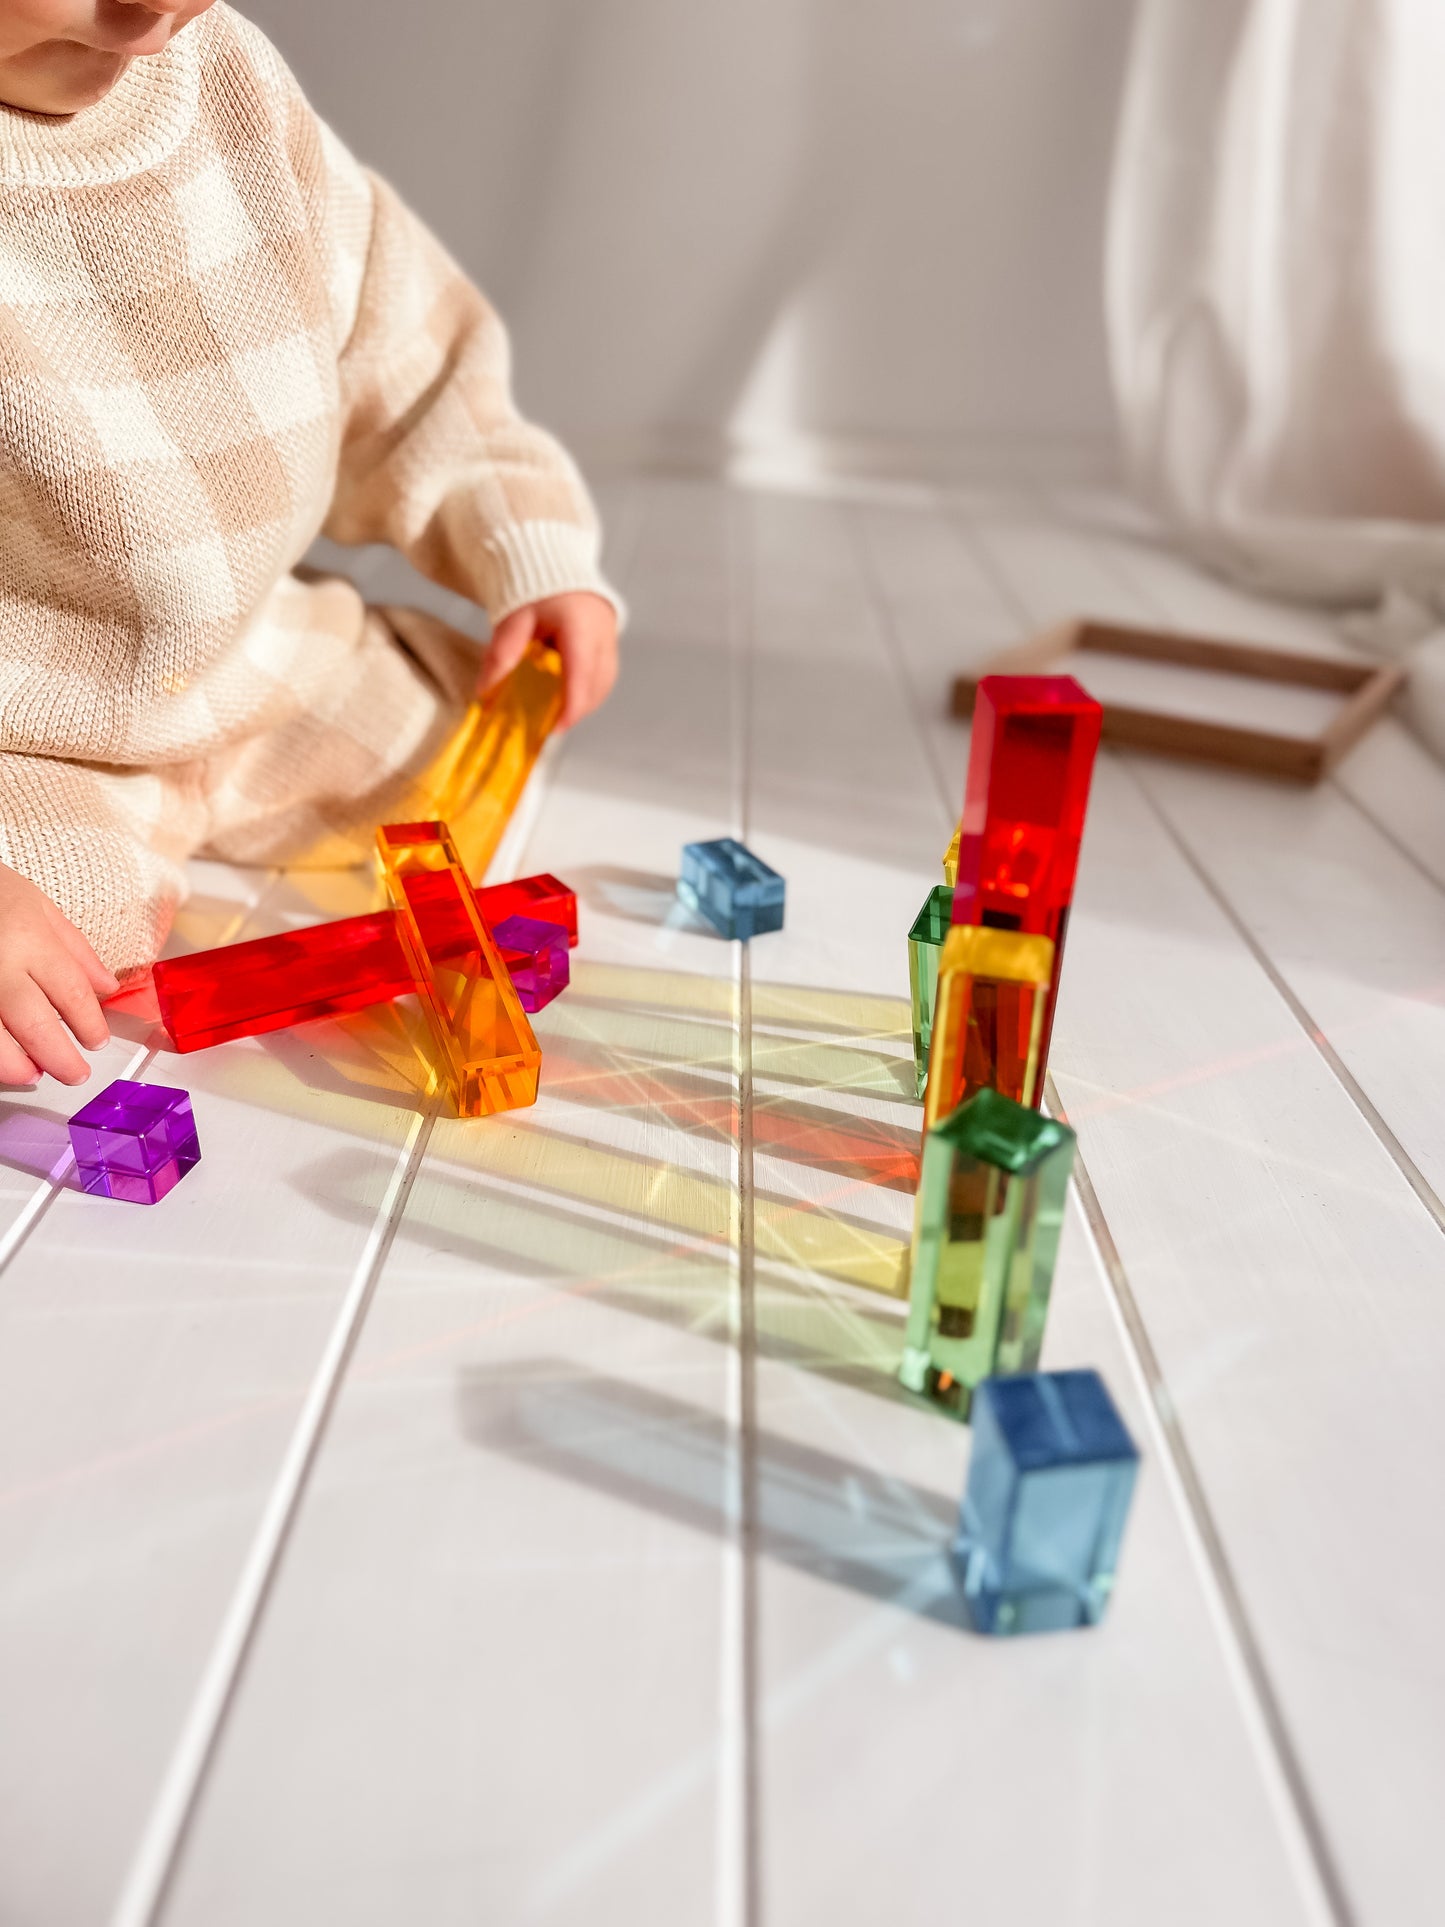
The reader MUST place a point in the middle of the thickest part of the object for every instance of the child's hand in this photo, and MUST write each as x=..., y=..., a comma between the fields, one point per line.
x=583, y=628
x=47, y=972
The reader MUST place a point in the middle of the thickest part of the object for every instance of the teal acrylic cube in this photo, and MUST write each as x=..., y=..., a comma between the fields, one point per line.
x=1049, y=1487
x=986, y=1227
x=925, y=944
x=736, y=891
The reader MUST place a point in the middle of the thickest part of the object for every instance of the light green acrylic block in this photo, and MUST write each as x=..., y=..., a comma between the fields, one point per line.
x=986, y=1229
x=925, y=945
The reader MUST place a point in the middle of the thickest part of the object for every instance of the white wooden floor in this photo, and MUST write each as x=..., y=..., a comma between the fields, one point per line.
x=422, y=1522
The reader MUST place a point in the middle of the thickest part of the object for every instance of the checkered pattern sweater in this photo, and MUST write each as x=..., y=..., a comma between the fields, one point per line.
x=219, y=336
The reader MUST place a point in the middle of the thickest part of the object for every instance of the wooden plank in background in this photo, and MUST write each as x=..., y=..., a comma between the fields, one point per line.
x=1390, y=775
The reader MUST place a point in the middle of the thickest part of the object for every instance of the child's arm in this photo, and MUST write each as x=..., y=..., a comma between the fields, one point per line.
x=48, y=973
x=435, y=458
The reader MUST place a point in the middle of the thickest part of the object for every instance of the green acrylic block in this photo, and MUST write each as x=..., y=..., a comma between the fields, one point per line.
x=986, y=1229
x=925, y=945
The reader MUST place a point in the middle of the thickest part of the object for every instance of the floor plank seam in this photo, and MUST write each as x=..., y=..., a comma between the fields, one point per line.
x=1314, y=1840
x=158, y=1856
x=1396, y=842
x=1363, y=1103
x=741, y=524
x=748, y=1430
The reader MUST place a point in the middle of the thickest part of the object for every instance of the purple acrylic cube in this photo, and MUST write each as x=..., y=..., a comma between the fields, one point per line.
x=134, y=1141
x=537, y=958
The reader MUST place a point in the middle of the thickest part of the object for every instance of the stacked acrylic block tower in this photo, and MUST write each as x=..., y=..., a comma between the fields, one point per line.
x=1052, y=1466
x=994, y=1172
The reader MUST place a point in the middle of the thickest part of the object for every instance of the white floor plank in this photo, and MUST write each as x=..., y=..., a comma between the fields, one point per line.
x=883, y=1724
x=1287, y=1271
x=508, y=1606
x=613, y=1591
x=152, y=1361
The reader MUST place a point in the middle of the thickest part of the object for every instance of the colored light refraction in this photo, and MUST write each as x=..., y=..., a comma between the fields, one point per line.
x=735, y=890
x=134, y=1141
x=475, y=783
x=925, y=944
x=986, y=1229
x=247, y=989
x=487, y=1057
x=1030, y=763
x=988, y=1018
x=1050, y=1481
x=950, y=858
x=536, y=957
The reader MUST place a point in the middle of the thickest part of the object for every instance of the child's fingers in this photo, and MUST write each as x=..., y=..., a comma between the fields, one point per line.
x=15, y=1065
x=589, y=654
x=102, y=981
x=64, y=982
x=507, y=647
x=30, y=1018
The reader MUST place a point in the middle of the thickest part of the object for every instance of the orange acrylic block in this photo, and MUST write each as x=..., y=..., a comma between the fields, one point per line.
x=993, y=990
x=487, y=1055
x=475, y=784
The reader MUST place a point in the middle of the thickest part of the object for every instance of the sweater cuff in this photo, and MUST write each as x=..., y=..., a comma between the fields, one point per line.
x=529, y=561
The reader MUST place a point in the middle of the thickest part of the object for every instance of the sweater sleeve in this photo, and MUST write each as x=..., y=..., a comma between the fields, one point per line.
x=435, y=458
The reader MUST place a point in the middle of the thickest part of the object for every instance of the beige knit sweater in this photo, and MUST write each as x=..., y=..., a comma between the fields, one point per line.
x=219, y=337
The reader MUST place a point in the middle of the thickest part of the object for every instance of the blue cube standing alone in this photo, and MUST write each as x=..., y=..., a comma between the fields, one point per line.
x=736, y=891
x=1049, y=1486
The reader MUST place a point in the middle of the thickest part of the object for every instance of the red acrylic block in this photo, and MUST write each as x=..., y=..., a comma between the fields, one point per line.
x=1030, y=763
x=245, y=989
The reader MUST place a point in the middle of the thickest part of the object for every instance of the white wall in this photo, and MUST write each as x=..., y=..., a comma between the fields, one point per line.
x=870, y=221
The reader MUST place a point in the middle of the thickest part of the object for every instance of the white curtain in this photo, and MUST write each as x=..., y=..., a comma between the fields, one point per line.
x=1277, y=303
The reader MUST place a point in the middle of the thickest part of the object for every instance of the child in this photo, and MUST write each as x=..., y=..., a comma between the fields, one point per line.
x=218, y=337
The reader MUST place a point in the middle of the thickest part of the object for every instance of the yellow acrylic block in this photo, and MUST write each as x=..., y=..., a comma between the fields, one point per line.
x=950, y=858
x=476, y=782
x=993, y=988
x=487, y=1055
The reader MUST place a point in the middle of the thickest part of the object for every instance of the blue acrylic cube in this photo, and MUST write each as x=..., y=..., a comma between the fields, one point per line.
x=1049, y=1486
x=134, y=1141
x=737, y=893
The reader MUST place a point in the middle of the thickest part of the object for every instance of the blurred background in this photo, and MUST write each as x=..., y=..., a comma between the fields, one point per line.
x=1029, y=242
x=782, y=235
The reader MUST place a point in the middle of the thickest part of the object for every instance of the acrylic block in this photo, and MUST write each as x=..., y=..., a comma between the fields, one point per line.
x=1030, y=763
x=1049, y=1486
x=543, y=897
x=325, y=970
x=476, y=782
x=925, y=943
x=486, y=1054
x=536, y=957
x=134, y=1141
x=950, y=859
x=737, y=892
x=986, y=1227
x=988, y=1018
